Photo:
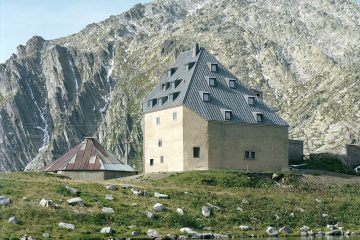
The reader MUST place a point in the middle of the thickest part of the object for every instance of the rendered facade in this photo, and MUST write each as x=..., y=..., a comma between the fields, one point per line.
x=202, y=117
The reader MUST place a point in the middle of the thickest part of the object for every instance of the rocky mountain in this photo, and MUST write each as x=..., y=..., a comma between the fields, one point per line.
x=304, y=55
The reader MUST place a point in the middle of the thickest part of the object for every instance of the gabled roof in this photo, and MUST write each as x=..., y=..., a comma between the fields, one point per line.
x=195, y=82
x=89, y=155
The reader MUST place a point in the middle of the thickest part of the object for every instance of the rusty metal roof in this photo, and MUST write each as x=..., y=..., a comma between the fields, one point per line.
x=89, y=155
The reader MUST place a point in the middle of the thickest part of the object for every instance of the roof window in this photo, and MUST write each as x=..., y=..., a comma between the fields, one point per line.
x=173, y=96
x=228, y=115
x=177, y=82
x=259, y=117
x=171, y=71
x=212, y=81
x=165, y=86
x=189, y=66
x=153, y=102
x=251, y=100
x=214, y=67
x=231, y=83
x=206, y=97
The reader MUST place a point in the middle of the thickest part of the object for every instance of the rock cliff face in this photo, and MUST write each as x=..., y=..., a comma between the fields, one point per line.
x=304, y=56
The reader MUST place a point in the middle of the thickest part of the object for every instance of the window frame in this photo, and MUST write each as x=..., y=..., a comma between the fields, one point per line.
x=228, y=112
x=249, y=155
x=196, y=152
x=208, y=96
x=214, y=81
x=151, y=163
x=252, y=99
x=214, y=65
x=259, y=117
x=232, y=81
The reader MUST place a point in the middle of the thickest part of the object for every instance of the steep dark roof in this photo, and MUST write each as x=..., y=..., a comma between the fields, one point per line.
x=89, y=155
x=222, y=97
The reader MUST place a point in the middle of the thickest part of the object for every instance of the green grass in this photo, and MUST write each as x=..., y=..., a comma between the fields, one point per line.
x=328, y=164
x=225, y=189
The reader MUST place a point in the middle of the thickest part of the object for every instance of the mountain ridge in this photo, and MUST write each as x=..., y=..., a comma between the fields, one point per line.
x=303, y=55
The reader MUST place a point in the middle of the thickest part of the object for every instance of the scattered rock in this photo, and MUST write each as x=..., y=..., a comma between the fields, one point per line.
x=135, y=233
x=160, y=195
x=136, y=191
x=239, y=209
x=300, y=209
x=338, y=225
x=187, y=230
x=305, y=231
x=27, y=238
x=335, y=232
x=277, y=217
x=111, y=187
x=76, y=201
x=25, y=199
x=125, y=186
x=13, y=220
x=245, y=227
x=217, y=235
x=206, y=211
x=325, y=215
x=106, y=230
x=46, y=202
x=109, y=197
x=271, y=231
x=285, y=230
x=317, y=200
x=159, y=207
x=244, y=201
x=107, y=210
x=213, y=206
x=72, y=190
x=66, y=226
x=180, y=211
x=292, y=215
x=131, y=226
x=152, y=234
x=4, y=201
x=277, y=176
x=149, y=214
x=170, y=237
x=46, y=235
x=207, y=228
x=134, y=204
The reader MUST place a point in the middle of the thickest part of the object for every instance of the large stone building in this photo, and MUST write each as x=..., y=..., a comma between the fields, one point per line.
x=200, y=116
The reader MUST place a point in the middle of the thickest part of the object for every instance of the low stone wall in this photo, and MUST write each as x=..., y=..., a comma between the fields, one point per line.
x=94, y=175
x=296, y=150
x=352, y=155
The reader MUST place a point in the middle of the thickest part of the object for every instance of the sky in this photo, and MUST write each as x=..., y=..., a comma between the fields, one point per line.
x=22, y=19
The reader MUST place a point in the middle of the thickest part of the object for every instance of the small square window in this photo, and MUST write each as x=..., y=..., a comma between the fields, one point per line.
x=174, y=115
x=206, y=97
x=259, y=117
x=228, y=115
x=214, y=67
x=161, y=159
x=212, y=82
x=196, y=152
x=249, y=155
x=159, y=143
x=232, y=83
x=157, y=120
x=251, y=100
x=151, y=162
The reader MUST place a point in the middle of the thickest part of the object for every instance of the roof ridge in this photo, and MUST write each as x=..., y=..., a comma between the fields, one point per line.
x=192, y=75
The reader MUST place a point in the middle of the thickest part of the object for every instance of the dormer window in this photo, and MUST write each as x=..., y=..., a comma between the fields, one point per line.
x=165, y=86
x=206, y=97
x=259, y=117
x=177, y=82
x=251, y=100
x=212, y=81
x=171, y=71
x=164, y=100
x=228, y=115
x=232, y=83
x=189, y=66
x=153, y=102
x=214, y=67
x=173, y=96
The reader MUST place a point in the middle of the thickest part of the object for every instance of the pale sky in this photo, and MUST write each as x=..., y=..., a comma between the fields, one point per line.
x=22, y=19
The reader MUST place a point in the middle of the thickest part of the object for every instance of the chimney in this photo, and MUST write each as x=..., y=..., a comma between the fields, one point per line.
x=196, y=49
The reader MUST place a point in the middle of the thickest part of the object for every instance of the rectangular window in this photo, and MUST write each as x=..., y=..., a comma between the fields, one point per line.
x=174, y=115
x=259, y=117
x=206, y=97
x=151, y=162
x=232, y=83
x=159, y=143
x=252, y=155
x=212, y=82
x=157, y=120
x=228, y=115
x=251, y=100
x=161, y=159
x=214, y=67
x=196, y=152
x=249, y=155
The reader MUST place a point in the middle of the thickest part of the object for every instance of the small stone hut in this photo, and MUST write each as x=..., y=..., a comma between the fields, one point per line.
x=91, y=162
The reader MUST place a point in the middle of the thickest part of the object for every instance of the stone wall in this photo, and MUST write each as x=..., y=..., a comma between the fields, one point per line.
x=353, y=155
x=94, y=175
x=296, y=150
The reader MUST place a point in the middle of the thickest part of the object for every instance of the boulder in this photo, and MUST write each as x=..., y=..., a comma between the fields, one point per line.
x=76, y=201
x=27, y=238
x=109, y=197
x=213, y=206
x=206, y=211
x=277, y=176
x=135, y=233
x=285, y=230
x=207, y=228
x=106, y=230
x=111, y=187
x=187, y=230
x=152, y=234
x=239, y=209
x=160, y=195
x=244, y=201
x=180, y=211
x=149, y=214
x=46, y=235
x=46, y=202
x=300, y=209
x=136, y=191
x=66, y=226
x=4, y=201
x=13, y=220
x=107, y=210
x=125, y=186
x=317, y=200
x=271, y=231
x=245, y=227
x=324, y=215
x=338, y=225
x=170, y=237
x=72, y=190
x=159, y=207
x=223, y=236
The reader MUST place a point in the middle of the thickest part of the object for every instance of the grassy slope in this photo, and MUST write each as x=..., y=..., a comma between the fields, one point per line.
x=222, y=188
